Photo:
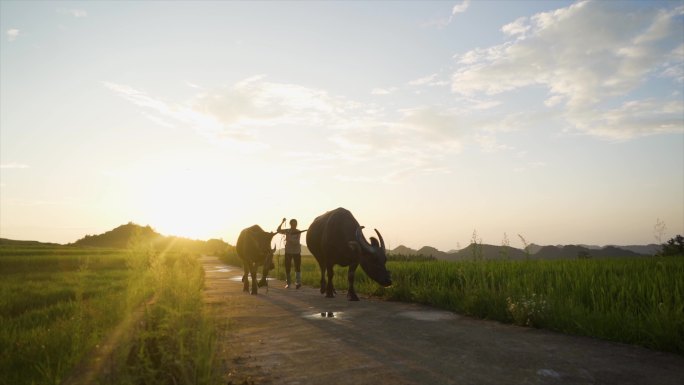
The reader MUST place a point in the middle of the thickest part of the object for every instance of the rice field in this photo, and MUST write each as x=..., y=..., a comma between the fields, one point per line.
x=635, y=301
x=58, y=303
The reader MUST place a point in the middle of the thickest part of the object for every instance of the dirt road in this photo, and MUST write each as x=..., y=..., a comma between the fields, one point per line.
x=300, y=337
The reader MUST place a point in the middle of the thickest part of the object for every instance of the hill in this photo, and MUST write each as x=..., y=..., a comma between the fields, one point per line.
x=132, y=234
x=485, y=251
x=403, y=250
x=120, y=237
x=12, y=242
x=573, y=251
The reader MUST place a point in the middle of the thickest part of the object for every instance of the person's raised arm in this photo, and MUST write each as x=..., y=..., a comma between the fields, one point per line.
x=280, y=230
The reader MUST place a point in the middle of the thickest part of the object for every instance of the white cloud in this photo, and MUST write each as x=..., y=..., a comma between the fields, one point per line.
x=383, y=91
x=12, y=34
x=77, y=13
x=444, y=21
x=516, y=28
x=488, y=143
x=460, y=7
x=252, y=110
x=632, y=119
x=430, y=80
x=13, y=165
x=588, y=56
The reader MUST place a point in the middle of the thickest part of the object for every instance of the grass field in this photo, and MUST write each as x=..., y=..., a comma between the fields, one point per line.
x=58, y=303
x=636, y=301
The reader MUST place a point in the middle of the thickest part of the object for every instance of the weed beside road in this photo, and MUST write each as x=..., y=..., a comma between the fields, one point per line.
x=632, y=300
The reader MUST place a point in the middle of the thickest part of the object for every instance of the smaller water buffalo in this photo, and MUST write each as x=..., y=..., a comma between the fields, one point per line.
x=336, y=238
x=254, y=249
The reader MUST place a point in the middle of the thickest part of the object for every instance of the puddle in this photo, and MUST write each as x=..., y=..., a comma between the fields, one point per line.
x=428, y=315
x=224, y=270
x=238, y=278
x=548, y=373
x=326, y=315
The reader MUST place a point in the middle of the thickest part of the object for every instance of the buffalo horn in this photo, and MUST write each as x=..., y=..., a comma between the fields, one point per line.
x=382, y=241
x=362, y=241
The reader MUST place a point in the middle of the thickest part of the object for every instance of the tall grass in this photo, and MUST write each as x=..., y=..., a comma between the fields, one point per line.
x=55, y=305
x=636, y=301
x=58, y=303
x=175, y=343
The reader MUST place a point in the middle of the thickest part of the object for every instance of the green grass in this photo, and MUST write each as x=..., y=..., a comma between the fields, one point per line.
x=58, y=303
x=177, y=340
x=636, y=301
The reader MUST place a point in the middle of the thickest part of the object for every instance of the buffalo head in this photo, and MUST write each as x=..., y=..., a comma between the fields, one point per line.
x=265, y=250
x=372, y=257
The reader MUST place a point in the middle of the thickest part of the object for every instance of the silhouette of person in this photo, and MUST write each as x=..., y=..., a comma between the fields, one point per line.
x=293, y=251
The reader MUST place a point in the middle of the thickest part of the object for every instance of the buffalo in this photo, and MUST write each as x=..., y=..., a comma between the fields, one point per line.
x=336, y=238
x=254, y=249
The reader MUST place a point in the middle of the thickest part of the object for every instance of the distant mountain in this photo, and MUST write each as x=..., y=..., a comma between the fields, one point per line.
x=12, y=242
x=650, y=249
x=403, y=250
x=485, y=251
x=132, y=234
x=574, y=251
x=120, y=237
x=534, y=248
x=432, y=252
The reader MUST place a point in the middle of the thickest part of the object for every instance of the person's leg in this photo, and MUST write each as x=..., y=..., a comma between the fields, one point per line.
x=288, y=264
x=298, y=270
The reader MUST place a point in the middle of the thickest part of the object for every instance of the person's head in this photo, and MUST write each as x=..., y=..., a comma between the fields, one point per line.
x=293, y=223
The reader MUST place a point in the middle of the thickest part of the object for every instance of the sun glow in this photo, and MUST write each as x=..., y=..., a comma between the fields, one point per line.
x=187, y=201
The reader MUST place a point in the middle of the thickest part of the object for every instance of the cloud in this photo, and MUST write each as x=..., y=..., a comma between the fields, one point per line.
x=77, y=13
x=12, y=34
x=516, y=28
x=442, y=22
x=254, y=111
x=13, y=165
x=168, y=115
x=383, y=91
x=588, y=56
x=488, y=143
x=460, y=8
x=430, y=80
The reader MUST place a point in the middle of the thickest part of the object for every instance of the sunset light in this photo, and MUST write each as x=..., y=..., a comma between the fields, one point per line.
x=428, y=120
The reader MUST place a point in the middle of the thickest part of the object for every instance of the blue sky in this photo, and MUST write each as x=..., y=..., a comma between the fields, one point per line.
x=561, y=121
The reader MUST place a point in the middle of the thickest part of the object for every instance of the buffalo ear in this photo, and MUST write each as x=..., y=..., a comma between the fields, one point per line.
x=374, y=242
x=354, y=246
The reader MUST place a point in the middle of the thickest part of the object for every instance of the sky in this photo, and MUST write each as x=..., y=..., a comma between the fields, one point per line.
x=435, y=122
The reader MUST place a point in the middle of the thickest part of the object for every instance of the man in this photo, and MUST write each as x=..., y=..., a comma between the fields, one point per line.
x=293, y=250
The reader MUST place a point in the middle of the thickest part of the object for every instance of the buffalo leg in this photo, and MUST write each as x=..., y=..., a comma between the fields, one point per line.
x=245, y=279
x=330, y=289
x=351, y=293
x=264, y=273
x=323, y=283
x=253, y=273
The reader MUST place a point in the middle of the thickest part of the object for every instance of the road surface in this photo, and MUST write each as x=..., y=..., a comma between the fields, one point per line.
x=300, y=337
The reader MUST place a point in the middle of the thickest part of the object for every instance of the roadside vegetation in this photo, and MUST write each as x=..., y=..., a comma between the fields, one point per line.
x=637, y=301
x=56, y=304
x=59, y=303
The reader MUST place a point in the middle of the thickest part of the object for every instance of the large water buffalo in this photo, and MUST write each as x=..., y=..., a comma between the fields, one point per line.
x=336, y=238
x=254, y=248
